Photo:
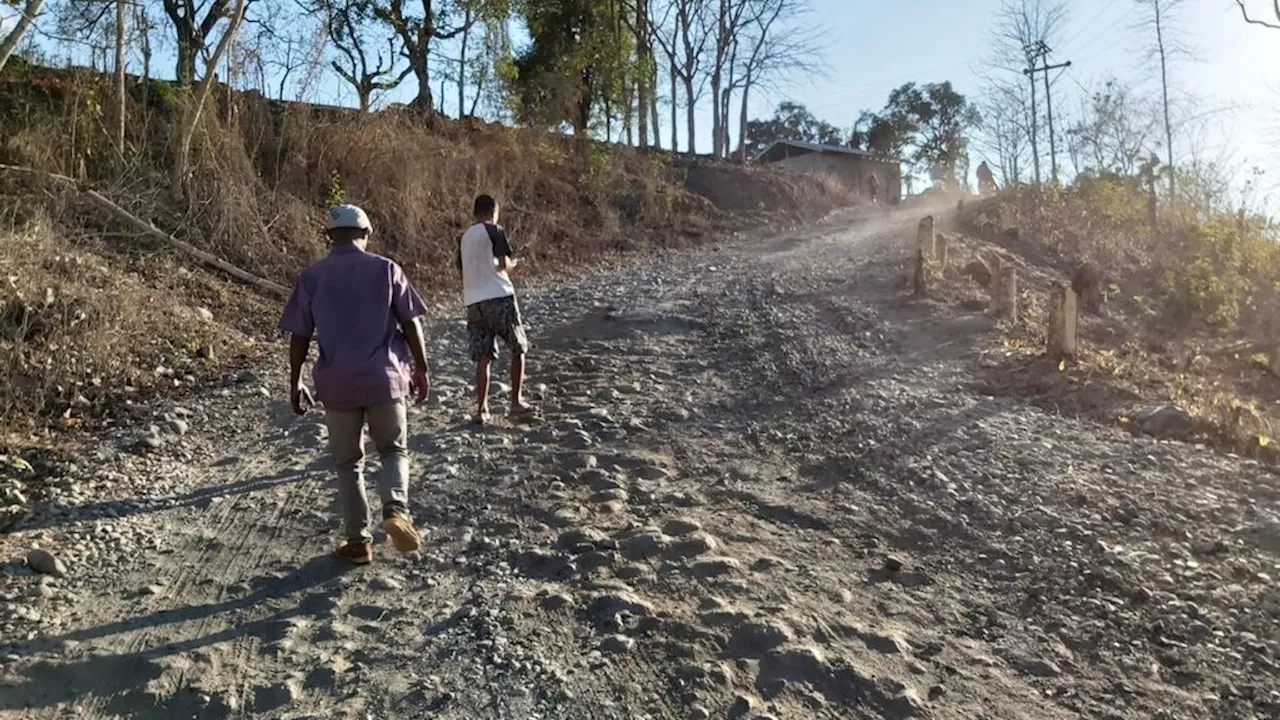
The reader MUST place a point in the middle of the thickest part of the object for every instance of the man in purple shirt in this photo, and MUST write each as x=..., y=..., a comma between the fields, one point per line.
x=365, y=315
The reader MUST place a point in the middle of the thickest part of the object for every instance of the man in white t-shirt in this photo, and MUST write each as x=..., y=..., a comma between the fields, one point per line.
x=484, y=259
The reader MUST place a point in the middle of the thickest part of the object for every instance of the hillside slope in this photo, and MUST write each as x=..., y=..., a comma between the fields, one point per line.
x=94, y=315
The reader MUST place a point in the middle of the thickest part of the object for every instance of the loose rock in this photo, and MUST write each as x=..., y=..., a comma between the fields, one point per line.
x=45, y=563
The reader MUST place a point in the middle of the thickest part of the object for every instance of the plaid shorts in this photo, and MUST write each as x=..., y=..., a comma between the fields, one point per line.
x=489, y=320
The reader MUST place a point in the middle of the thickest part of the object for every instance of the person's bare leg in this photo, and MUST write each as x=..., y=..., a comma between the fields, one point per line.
x=517, y=382
x=482, y=388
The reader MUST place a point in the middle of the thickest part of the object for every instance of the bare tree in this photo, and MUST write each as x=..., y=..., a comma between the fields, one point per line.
x=193, y=23
x=684, y=40
x=348, y=23
x=1020, y=27
x=26, y=18
x=1275, y=7
x=1006, y=129
x=727, y=24
x=194, y=106
x=777, y=39
x=439, y=20
x=1161, y=22
x=1115, y=131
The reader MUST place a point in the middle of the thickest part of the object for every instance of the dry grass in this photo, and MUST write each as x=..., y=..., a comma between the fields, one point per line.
x=1157, y=342
x=83, y=334
x=121, y=322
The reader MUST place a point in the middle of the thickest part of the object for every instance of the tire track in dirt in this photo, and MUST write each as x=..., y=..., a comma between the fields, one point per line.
x=754, y=489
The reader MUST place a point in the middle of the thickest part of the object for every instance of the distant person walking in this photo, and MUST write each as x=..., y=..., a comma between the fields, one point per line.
x=372, y=357
x=986, y=180
x=485, y=258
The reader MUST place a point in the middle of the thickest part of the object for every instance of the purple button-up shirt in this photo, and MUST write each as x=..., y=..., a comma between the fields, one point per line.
x=355, y=301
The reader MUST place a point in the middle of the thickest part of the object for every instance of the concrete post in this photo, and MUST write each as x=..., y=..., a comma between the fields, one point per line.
x=1064, y=319
x=924, y=236
x=919, y=275
x=1004, y=287
x=941, y=243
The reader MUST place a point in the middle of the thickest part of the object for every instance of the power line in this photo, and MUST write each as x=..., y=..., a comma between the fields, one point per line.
x=1106, y=9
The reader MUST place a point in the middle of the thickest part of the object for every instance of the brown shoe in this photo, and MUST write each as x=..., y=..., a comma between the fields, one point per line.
x=403, y=534
x=356, y=552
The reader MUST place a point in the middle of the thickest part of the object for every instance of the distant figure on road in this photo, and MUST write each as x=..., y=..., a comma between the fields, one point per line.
x=484, y=259
x=873, y=187
x=986, y=181
x=372, y=357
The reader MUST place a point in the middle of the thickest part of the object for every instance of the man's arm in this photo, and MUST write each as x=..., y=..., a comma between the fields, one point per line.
x=502, y=251
x=417, y=344
x=418, y=348
x=408, y=308
x=299, y=345
x=298, y=322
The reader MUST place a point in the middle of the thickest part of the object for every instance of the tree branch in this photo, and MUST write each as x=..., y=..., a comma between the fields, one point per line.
x=1244, y=11
x=151, y=230
x=26, y=19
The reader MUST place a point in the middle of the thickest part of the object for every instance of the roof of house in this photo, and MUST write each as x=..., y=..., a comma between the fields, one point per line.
x=815, y=147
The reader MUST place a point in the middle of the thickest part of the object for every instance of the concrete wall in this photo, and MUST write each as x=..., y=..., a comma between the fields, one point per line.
x=854, y=171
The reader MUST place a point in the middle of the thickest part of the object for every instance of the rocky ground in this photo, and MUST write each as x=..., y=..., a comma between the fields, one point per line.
x=763, y=485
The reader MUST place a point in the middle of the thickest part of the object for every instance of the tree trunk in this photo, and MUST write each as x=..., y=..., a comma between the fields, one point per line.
x=644, y=48
x=742, y=123
x=25, y=21
x=462, y=65
x=120, y=89
x=194, y=105
x=653, y=101
x=725, y=103
x=689, y=110
x=716, y=120
x=675, y=114
x=186, y=68
x=1164, y=87
x=424, y=102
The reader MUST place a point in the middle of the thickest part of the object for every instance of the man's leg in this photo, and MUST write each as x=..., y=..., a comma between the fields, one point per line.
x=517, y=380
x=484, y=348
x=389, y=428
x=511, y=329
x=346, y=440
x=482, y=385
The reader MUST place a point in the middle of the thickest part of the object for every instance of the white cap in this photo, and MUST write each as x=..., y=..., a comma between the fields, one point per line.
x=348, y=216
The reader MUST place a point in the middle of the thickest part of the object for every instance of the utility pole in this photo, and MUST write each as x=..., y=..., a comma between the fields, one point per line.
x=1037, y=52
x=1032, y=57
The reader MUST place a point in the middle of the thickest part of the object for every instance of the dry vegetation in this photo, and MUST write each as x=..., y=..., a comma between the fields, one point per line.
x=94, y=314
x=1190, y=314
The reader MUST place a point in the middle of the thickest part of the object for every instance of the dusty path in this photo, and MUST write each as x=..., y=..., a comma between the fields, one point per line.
x=762, y=488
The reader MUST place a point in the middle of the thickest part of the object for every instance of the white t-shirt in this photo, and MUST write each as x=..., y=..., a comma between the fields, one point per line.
x=478, y=252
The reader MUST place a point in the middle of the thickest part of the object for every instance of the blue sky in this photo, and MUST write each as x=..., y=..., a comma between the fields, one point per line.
x=873, y=47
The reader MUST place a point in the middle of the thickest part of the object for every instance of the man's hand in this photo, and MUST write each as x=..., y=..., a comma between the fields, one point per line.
x=420, y=384
x=301, y=399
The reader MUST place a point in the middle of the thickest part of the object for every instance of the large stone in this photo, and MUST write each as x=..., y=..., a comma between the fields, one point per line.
x=645, y=545
x=1164, y=421
x=692, y=545
x=46, y=563
x=755, y=638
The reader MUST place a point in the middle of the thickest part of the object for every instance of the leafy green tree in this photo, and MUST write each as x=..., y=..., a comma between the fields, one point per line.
x=887, y=135
x=790, y=121
x=578, y=62
x=926, y=125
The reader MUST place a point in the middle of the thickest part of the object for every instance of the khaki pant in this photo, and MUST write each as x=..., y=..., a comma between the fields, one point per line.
x=388, y=426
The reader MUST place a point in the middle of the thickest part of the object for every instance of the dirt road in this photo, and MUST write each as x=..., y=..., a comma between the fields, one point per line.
x=762, y=487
